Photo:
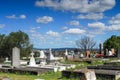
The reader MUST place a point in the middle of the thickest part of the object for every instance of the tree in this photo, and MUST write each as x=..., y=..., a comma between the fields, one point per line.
x=112, y=42
x=17, y=39
x=86, y=43
x=2, y=43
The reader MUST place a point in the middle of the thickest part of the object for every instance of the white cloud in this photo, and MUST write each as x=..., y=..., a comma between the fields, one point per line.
x=2, y=26
x=44, y=19
x=114, y=28
x=11, y=17
x=115, y=20
x=16, y=17
x=114, y=23
x=74, y=31
x=97, y=25
x=74, y=23
x=93, y=16
x=52, y=33
x=83, y=6
x=22, y=16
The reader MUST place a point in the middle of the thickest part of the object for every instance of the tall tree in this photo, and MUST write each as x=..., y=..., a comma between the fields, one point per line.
x=2, y=41
x=86, y=43
x=17, y=39
x=112, y=42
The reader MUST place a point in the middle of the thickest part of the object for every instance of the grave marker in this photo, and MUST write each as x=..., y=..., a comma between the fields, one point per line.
x=15, y=57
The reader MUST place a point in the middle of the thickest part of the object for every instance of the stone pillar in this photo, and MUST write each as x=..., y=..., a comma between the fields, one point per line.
x=15, y=57
x=100, y=46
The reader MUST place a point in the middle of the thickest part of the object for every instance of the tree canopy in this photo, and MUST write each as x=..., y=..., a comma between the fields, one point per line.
x=112, y=42
x=15, y=39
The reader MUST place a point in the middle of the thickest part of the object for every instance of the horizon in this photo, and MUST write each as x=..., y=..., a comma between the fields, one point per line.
x=59, y=23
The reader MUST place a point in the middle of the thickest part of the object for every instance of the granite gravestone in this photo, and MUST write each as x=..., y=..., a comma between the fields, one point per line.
x=15, y=57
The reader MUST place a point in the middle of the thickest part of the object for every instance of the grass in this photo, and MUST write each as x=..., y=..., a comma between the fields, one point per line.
x=46, y=76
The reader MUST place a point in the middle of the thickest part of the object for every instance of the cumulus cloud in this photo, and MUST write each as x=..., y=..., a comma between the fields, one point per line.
x=115, y=20
x=114, y=28
x=92, y=16
x=16, y=17
x=97, y=25
x=114, y=23
x=44, y=19
x=2, y=26
x=74, y=31
x=74, y=23
x=83, y=6
x=22, y=16
x=52, y=33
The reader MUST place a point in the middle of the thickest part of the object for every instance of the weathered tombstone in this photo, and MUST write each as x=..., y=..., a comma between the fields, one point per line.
x=113, y=51
x=16, y=57
x=100, y=46
x=87, y=54
x=42, y=54
x=90, y=75
x=66, y=54
x=106, y=52
x=110, y=53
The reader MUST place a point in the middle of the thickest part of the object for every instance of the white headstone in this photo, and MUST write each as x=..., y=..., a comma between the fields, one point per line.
x=6, y=59
x=32, y=62
x=51, y=55
x=42, y=54
x=16, y=57
x=90, y=75
x=110, y=53
x=66, y=52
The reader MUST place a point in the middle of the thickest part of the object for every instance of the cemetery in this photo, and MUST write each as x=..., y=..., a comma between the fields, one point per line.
x=107, y=70
x=50, y=64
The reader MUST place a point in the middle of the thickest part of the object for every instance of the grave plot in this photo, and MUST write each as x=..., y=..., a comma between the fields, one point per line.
x=82, y=74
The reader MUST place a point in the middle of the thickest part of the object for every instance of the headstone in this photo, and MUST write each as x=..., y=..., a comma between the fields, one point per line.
x=106, y=52
x=32, y=62
x=51, y=55
x=113, y=51
x=66, y=54
x=6, y=59
x=87, y=54
x=110, y=53
x=81, y=55
x=100, y=46
x=87, y=74
x=90, y=75
x=16, y=57
x=42, y=54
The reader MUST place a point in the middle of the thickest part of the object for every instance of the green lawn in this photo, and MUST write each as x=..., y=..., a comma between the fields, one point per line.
x=46, y=76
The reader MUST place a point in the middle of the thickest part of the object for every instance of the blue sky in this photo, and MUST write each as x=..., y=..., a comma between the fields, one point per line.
x=59, y=23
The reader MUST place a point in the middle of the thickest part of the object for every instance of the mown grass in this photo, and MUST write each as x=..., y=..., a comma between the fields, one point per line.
x=46, y=76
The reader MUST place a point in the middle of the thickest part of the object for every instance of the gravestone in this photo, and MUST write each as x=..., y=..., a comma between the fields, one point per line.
x=15, y=57
x=90, y=75
x=42, y=54
x=118, y=53
x=113, y=51
x=66, y=54
x=87, y=54
x=6, y=59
